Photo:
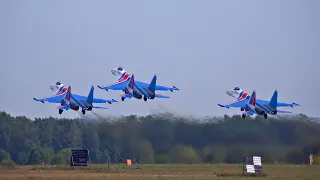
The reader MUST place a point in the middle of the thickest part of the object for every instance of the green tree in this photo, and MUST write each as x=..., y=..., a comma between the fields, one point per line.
x=40, y=155
x=161, y=138
x=95, y=156
x=296, y=157
x=207, y=155
x=184, y=154
x=58, y=159
x=235, y=155
x=145, y=152
x=162, y=159
x=4, y=156
x=22, y=158
x=64, y=155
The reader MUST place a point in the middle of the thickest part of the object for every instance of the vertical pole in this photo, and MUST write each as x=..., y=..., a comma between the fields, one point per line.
x=244, y=161
x=108, y=163
x=88, y=157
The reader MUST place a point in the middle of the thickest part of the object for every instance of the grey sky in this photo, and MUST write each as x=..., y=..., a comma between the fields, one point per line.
x=203, y=47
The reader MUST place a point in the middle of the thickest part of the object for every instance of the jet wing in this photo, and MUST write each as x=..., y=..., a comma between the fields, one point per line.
x=52, y=99
x=95, y=100
x=279, y=104
x=115, y=86
x=279, y=111
x=237, y=104
x=284, y=112
x=161, y=96
x=122, y=86
x=127, y=96
x=159, y=88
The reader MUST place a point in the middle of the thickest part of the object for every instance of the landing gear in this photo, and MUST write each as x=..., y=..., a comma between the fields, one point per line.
x=242, y=109
x=265, y=116
x=122, y=98
x=83, y=111
x=60, y=111
x=145, y=98
x=152, y=97
x=243, y=116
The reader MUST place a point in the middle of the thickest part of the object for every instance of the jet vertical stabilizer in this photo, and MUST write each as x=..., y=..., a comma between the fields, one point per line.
x=272, y=106
x=274, y=100
x=252, y=101
x=152, y=86
x=90, y=96
x=67, y=97
x=66, y=101
x=152, y=89
x=131, y=90
x=130, y=85
x=250, y=106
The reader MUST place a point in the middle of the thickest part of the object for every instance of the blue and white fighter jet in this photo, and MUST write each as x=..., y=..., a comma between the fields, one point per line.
x=134, y=90
x=68, y=100
x=261, y=107
x=123, y=81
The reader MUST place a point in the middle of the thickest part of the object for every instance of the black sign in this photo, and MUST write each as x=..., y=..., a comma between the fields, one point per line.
x=79, y=157
x=252, y=164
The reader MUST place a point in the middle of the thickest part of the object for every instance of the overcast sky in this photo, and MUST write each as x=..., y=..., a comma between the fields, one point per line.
x=203, y=47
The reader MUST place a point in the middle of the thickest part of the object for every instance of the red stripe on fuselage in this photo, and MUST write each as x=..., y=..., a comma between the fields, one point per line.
x=244, y=96
x=125, y=77
x=63, y=90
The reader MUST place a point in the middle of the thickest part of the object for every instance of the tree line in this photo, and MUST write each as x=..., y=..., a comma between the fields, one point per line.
x=162, y=138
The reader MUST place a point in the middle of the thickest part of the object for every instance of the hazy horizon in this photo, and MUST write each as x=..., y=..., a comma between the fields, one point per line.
x=202, y=47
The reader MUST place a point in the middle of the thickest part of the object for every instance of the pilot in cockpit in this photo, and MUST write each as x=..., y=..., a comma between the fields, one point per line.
x=58, y=83
x=236, y=88
x=120, y=69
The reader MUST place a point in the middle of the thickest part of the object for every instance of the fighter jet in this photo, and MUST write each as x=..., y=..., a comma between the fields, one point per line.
x=134, y=90
x=262, y=107
x=123, y=81
x=68, y=100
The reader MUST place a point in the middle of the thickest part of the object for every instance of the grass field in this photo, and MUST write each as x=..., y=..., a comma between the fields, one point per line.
x=175, y=172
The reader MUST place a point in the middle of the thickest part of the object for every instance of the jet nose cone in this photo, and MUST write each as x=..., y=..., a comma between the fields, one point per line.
x=229, y=92
x=114, y=71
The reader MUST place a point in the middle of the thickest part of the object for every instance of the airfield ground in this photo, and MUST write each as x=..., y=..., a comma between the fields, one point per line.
x=175, y=172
